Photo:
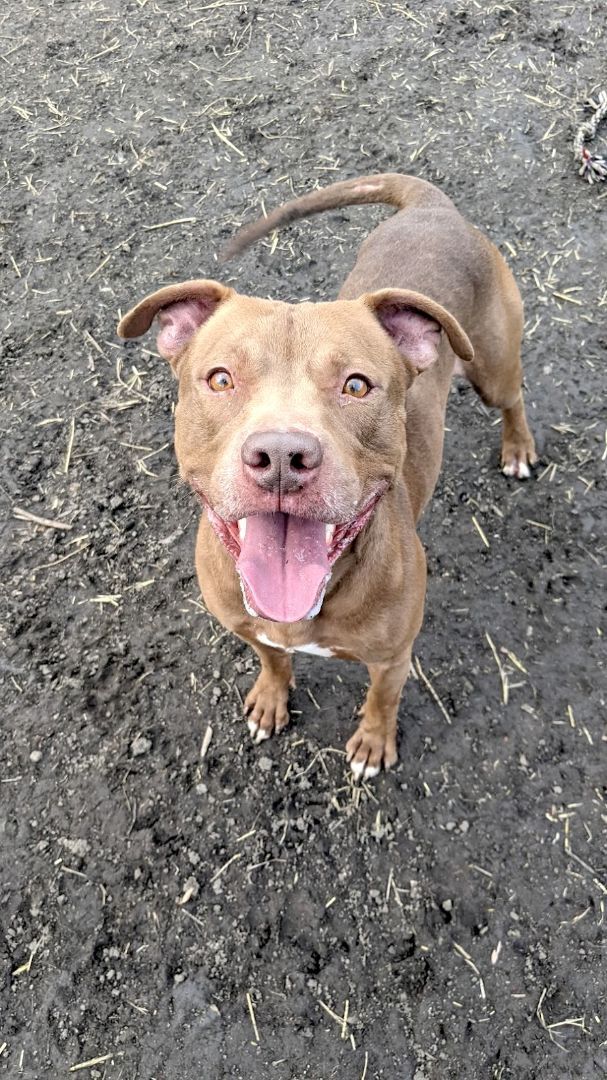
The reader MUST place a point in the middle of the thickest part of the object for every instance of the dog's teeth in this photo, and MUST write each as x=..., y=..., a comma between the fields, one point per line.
x=329, y=530
x=242, y=528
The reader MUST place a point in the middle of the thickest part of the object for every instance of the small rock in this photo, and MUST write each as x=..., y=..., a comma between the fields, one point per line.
x=75, y=847
x=265, y=764
x=190, y=890
x=450, y=826
x=36, y=756
x=447, y=905
x=140, y=745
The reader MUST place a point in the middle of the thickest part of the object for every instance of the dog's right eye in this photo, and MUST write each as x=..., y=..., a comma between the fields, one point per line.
x=220, y=380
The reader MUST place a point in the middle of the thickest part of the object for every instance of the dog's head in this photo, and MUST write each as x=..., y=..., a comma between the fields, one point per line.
x=290, y=424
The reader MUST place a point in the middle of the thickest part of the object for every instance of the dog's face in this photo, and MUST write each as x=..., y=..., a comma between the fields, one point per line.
x=290, y=423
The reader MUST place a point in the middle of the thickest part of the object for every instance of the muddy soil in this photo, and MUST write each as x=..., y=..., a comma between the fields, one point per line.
x=251, y=913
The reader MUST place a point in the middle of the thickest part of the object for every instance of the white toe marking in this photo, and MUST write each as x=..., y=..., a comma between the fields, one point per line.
x=252, y=726
x=358, y=768
x=242, y=528
x=371, y=771
x=262, y=735
x=520, y=469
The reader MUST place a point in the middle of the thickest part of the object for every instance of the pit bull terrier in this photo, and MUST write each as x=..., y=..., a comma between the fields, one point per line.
x=312, y=434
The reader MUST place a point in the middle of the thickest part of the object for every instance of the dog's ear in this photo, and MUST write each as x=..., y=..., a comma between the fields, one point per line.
x=414, y=322
x=181, y=310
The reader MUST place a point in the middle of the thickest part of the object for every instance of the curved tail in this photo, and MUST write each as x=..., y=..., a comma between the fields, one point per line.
x=394, y=189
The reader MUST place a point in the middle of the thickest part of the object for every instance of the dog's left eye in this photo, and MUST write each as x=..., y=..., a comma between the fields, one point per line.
x=356, y=386
x=220, y=380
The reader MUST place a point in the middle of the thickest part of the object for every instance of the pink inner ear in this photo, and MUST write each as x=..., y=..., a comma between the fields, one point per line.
x=415, y=335
x=179, y=322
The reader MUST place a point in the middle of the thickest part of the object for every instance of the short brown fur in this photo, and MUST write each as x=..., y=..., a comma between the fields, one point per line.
x=429, y=257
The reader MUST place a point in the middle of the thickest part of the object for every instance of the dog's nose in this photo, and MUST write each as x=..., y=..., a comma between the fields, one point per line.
x=281, y=460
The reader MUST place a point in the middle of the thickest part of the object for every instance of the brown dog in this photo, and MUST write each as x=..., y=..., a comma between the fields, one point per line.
x=313, y=435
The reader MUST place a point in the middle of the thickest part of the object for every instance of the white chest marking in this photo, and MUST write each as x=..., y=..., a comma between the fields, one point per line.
x=316, y=650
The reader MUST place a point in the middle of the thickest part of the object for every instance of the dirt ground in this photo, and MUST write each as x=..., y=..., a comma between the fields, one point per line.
x=249, y=912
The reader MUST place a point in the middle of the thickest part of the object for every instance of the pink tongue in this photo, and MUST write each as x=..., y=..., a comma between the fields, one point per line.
x=283, y=563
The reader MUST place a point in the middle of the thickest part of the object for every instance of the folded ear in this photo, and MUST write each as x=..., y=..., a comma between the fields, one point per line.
x=181, y=310
x=414, y=322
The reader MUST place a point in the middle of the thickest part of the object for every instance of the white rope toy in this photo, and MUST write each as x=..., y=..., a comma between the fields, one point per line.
x=592, y=166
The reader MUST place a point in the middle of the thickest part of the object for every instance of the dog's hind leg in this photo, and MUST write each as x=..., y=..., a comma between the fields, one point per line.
x=496, y=372
x=504, y=391
x=518, y=446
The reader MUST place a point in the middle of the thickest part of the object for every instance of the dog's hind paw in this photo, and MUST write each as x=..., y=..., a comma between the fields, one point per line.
x=517, y=467
x=518, y=453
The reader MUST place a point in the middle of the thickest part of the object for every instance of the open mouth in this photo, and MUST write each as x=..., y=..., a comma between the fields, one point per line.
x=284, y=562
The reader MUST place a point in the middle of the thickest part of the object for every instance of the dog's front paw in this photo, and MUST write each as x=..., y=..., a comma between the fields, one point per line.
x=266, y=707
x=369, y=749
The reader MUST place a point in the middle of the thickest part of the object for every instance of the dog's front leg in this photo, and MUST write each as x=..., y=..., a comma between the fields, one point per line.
x=266, y=703
x=374, y=741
